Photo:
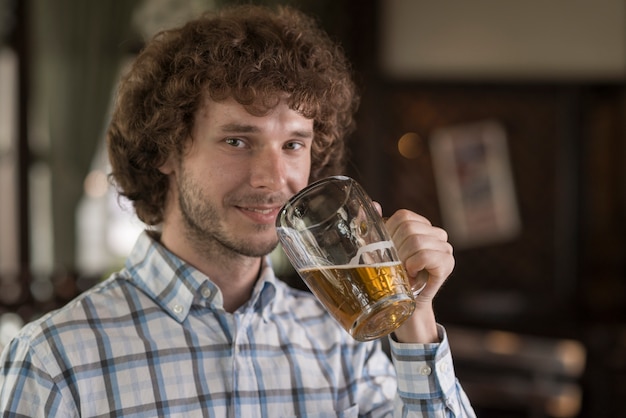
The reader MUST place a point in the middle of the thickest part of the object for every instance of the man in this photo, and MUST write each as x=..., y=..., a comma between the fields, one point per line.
x=217, y=124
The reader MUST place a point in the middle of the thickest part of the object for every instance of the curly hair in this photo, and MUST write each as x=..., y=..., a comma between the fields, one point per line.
x=253, y=54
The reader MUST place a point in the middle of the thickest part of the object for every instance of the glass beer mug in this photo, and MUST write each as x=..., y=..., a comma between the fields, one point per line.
x=337, y=242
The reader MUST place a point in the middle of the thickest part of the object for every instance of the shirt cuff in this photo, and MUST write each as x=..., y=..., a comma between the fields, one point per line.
x=424, y=371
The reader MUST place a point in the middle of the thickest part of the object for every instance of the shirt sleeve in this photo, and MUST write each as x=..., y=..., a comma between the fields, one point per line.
x=26, y=389
x=427, y=384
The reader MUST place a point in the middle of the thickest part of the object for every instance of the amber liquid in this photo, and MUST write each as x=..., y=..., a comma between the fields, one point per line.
x=368, y=301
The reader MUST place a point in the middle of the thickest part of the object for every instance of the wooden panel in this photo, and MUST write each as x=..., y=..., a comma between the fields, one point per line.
x=505, y=280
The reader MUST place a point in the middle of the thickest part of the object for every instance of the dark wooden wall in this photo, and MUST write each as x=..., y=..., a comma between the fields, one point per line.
x=564, y=275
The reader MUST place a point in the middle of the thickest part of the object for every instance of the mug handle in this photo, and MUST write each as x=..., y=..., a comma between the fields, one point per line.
x=420, y=282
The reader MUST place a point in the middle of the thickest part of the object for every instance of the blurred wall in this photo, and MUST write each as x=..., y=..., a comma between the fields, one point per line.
x=490, y=39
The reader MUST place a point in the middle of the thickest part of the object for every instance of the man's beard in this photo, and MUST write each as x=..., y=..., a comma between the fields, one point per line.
x=203, y=228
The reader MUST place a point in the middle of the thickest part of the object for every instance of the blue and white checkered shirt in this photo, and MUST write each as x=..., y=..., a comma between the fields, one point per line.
x=154, y=341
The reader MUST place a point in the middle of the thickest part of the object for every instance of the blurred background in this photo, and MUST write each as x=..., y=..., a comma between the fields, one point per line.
x=503, y=122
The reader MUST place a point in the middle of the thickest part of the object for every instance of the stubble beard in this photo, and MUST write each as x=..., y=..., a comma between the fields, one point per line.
x=204, y=230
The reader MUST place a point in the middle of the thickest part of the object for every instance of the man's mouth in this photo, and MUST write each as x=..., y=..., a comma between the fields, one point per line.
x=262, y=215
x=263, y=211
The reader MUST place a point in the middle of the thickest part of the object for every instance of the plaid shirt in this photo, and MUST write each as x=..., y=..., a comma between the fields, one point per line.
x=154, y=340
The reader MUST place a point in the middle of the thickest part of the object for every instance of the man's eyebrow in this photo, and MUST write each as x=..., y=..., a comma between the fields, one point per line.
x=302, y=134
x=239, y=128
x=245, y=128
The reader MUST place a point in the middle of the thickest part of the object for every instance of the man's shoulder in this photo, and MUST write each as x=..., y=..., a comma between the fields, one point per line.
x=103, y=302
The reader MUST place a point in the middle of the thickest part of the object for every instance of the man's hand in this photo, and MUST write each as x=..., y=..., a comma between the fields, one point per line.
x=423, y=248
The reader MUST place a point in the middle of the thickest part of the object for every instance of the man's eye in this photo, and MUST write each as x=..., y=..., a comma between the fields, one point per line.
x=235, y=142
x=294, y=145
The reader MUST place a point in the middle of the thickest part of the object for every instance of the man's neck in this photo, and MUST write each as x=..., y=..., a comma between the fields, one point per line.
x=234, y=274
x=236, y=291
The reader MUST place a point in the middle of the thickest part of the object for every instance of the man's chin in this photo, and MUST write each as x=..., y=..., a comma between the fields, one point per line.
x=258, y=250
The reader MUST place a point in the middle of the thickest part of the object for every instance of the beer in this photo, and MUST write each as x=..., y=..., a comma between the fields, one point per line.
x=363, y=298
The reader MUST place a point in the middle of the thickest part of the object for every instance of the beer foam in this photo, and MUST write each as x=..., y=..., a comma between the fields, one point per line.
x=350, y=266
x=368, y=248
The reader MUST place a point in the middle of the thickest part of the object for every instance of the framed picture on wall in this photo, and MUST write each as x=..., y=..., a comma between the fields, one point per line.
x=474, y=183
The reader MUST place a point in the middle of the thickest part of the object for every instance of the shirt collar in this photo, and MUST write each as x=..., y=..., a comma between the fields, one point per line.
x=174, y=285
x=265, y=288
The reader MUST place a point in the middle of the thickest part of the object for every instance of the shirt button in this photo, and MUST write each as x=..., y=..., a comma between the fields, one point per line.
x=444, y=368
x=426, y=371
x=177, y=309
x=206, y=292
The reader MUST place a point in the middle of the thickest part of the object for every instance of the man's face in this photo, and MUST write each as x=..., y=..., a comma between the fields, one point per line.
x=236, y=174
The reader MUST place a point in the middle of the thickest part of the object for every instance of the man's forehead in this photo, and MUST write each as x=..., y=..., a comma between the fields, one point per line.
x=230, y=116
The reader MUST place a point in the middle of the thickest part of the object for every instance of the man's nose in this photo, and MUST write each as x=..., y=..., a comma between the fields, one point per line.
x=268, y=170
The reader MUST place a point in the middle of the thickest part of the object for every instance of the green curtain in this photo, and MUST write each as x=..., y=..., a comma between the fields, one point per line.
x=77, y=47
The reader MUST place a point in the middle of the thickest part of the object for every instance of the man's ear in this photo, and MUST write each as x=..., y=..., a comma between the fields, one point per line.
x=168, y=166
